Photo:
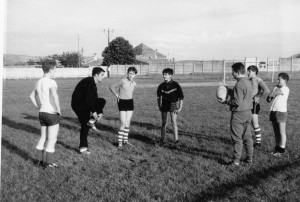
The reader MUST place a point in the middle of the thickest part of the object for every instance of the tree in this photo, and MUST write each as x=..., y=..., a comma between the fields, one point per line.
x=30, y=62
x=119, y=51
x=67, y=59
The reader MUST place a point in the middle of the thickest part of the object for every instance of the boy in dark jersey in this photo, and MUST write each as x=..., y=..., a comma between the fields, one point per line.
x=168, y=94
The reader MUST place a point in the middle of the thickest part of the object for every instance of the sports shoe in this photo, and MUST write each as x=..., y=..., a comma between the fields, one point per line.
x=92, y=125
x=86, y=152
x=248, y=161
x=51, y=165
x=277, y=153
x=41, y=164
x=257, y=144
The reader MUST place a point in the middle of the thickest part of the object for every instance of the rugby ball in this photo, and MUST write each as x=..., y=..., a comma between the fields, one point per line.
x=222, y=93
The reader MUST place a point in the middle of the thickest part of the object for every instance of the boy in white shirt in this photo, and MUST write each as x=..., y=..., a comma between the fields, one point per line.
x=44, y=97
x=278, y=115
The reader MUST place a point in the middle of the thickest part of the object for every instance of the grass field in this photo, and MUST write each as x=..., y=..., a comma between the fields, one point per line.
x=194, y=170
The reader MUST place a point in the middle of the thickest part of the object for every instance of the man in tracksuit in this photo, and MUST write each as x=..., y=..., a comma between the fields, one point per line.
x=240, y=102
x=84, y=102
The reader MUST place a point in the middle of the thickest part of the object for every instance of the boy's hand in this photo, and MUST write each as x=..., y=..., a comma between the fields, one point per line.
x=256, y=99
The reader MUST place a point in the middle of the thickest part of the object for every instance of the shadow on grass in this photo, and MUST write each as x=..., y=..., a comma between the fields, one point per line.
x=207, y=154
x=251, y=179
x=14, y=149
x=30, y=129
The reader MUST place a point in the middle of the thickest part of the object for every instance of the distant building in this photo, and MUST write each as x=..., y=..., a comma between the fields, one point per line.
x=295, y=56
x=146, y=55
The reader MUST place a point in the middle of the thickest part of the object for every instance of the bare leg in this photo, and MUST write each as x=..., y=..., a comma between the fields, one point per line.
x=164, y=118
x=282, y=141
x=174, y=124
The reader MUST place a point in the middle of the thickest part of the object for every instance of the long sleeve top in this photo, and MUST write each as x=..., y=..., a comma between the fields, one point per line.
x=170, y=91
x=85, y=95
x=240, y=97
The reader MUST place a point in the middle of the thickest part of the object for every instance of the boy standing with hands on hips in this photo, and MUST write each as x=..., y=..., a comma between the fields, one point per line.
x=45, y=99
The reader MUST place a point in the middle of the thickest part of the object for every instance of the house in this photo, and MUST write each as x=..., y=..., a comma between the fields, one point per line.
x=146, y=55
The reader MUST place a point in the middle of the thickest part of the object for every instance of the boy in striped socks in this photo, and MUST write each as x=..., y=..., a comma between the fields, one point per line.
x=123, y=90
x=259, y=88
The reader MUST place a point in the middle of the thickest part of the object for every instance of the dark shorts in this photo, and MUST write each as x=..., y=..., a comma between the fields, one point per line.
x=47, y=119
x=125, y=105
x=168, y=106
x=256, y=108
x=278, y=117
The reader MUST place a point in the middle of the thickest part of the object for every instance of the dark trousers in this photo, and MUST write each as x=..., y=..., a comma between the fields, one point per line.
x=83, y=117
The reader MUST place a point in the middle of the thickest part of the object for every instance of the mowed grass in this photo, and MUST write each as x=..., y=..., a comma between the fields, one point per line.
x=194, y=170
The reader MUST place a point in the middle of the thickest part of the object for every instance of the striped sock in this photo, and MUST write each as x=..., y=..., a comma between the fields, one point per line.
x=120, y=137
x=126, y=131
x=257, y=135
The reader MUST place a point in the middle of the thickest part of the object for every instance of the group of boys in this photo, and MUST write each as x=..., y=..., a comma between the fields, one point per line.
x=88, y=107
x=243, y=100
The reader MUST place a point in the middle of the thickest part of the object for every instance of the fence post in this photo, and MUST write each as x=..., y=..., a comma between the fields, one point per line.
x=193, y=67
x=267, y=64
x=212, y=66
x=292, y=64
x=183, y=68
x=279, y=64
x=202, y=66
x=273, y=71
x=140, y=68
x=148, y=68
x=174, y=67
x=224, y=71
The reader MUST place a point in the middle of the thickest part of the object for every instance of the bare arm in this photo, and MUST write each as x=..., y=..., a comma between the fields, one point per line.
x=33, y=99
x=55, y=98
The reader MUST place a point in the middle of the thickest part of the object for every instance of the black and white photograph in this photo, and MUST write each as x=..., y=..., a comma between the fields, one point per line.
x=111, y=100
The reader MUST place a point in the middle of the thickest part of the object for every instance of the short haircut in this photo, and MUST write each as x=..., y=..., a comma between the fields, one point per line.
x=238, y=68
x=97, y=70
x=284, y=76
x=48, y=64
x=253, y=68
x=132, y=69
x=168, y=71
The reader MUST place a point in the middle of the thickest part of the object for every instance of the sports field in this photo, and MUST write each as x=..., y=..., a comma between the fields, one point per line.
x=194, y=170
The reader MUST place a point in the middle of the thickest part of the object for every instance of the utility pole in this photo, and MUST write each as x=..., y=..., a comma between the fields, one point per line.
x=78, y=51
x=108, y=35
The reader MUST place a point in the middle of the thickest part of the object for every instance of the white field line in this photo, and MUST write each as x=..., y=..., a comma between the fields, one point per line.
x=187, y=84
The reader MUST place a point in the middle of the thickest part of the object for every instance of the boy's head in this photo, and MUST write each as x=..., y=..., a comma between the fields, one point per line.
x=238, y=69
x=98, y=74
x=167, y=74
x=252, y=71
x=168, y=71
x=131, y=72
x=132, y=69
x=283, y=78
x=47, y=65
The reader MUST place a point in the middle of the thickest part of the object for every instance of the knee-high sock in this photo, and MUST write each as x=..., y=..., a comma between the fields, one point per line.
x=40, y=154
x=120, y=137
x=257, y=135
x=126, y=132
x=49, y=157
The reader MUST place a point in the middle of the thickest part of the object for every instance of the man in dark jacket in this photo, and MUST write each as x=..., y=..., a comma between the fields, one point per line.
x=84, y=102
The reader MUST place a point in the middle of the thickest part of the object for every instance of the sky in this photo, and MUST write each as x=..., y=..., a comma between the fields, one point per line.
x=180, y=29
